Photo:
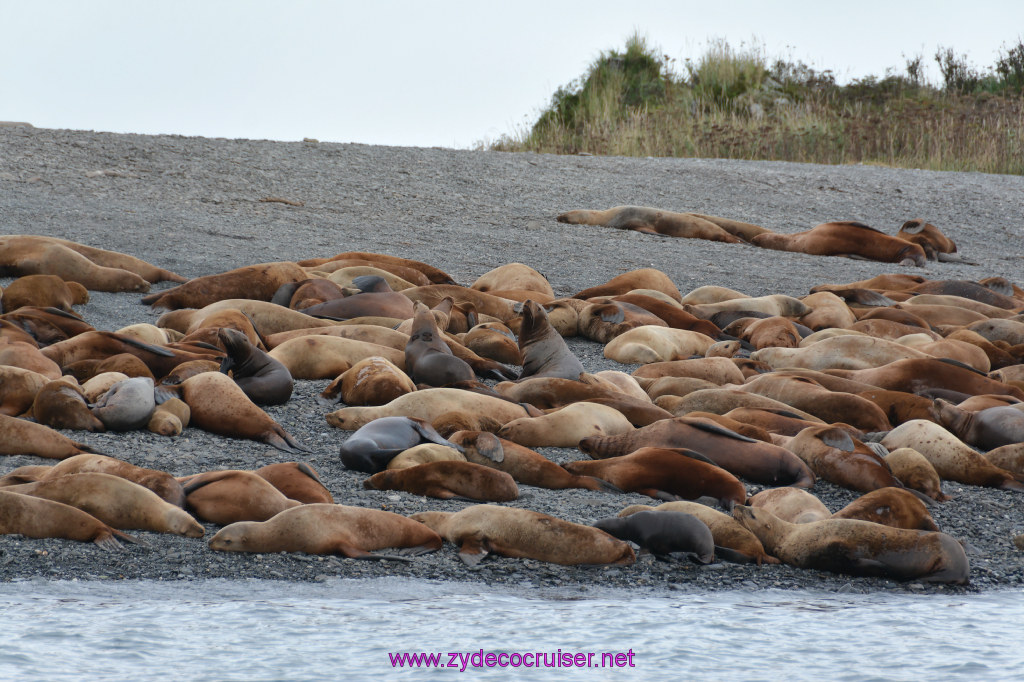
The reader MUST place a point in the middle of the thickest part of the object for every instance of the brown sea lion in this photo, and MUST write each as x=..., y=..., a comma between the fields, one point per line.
x=61, y=405
x=748, y=430
x=664, y=533
x=895, y=507
x=651, y=221
x=370, y=333
x=602, y=322
x=429, y=404
x=859, y=547
x=665, y=474
x=483, y=303
x=829, y=406
x=566, y=426
x=43, y=291
x=446, y=480
x=765, y=332
x=840, y=352
x=411, y=275
x=423, y=453
x=791, y=504
x=27, y=474
x=375, y=299
x=834, y=456
x=115, y=501
x=29, y=255
x=99, y=345
x=328, y=529
x=733, y=542
x=509, y=531
x=644, y=278
x=543, y=349
x=227, y=496
x=384, y=261
x=123, y=363
x=936, y=245
x=296, y=481
x=219, y=406
x=494, y=341
x=187, y=370
x=846, y=238
x=672, y=314
x=828, y=311
x=782, y=420
x=35, y=517
x=773, y=304
x=987, y=429
x=551, y=392
x=952, y=458
x=325, y=357
x=259, y=282
x=917, y=375
x=724, y=400
x=29, y=357
x=20, y=437
x=915, y=472
x=428, y=359
x=162, y=483
x=900, y=407
x=371, y=381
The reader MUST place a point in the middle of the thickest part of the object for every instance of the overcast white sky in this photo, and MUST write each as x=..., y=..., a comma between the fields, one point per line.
x=424, y=73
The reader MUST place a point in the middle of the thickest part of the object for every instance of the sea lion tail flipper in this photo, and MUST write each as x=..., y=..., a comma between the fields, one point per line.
x=733, y=556
x=107, y=542
x=87, y=449
x=129, y=538
x=283, y=441
x=1012, y=484
x=603, y=485
x=429, y=433
x=953, y=258
x=418, y=550
x=355, y=553
x=473, y=550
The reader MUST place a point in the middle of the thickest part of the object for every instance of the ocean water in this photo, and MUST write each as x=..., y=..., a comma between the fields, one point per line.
x=351, y=629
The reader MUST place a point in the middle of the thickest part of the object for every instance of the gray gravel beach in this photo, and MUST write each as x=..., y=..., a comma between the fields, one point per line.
x=192, y=205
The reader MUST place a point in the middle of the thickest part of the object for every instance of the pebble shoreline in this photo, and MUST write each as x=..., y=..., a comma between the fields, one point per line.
x=192, y=205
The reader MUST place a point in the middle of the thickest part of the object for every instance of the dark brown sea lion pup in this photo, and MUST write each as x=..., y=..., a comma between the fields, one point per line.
x=447, y=480
x=894, y=507
x=758, y=462
x=428, y=359
x=846, y=238
x=263, y=379
x=651, y=221
x=371, y=447
x=35, y=517
x=664, y=533
x=352, y=532
x=544, y=351
x=859, y=548
x=665, y=474
x=482, y=529
x=231, y=495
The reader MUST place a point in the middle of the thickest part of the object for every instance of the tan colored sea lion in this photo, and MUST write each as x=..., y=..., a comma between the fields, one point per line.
x=915, y=472
x=18, y=389
x=724, y=400
x=836, y=457
x=35, y=517
x=1008, y=457
x=115, y=501
x=494, y=341
x=773, y=304
x=428, y=404
x=348, y=277
x=551, y=392
x=828, y=311
x=43, y=291
x=939, y=315
x=794, y=505
x=651, y=221
x=27, y=356
x=859, y=547
x=733, y=542
x=840, y=352
x=648, y=344
x=371, y=381
x=766, y=332
x=716, y=370
x=483, y=303
x=296, y=481
x=936, y=245
x=325, y=357
x=895, y=507
x=830, y=406
x=710, y=294
x=424, y=453
x=30, y=255
x=231, y=495
x=259, y=282
x=665, y=474
x=62, y=405
x=384, y=261
x=513, y=276
x=162, y=483
x=953, y=460
x=644, y=278
x=169, y=418
x=566, y=426
x=20, y=437
x=369, y=333
x=989, y=311
x=846, y=238
x=328, y=529
x=916, y=375
x=508, y=531
x=448, y=479
x=219, y=406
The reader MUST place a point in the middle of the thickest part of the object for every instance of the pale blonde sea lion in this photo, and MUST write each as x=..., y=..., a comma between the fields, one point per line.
x=649, y=344
x=794, y=505
x=567, y=426
x=428, y=404
x=35, y=517
x=651, y=221
x=325, y=357
x=371, y=381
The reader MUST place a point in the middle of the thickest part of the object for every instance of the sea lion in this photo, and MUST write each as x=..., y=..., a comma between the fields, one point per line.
x=35, y=517
x=30, y=255
x=859, y=547
x=523, y=464
x=375, y=298
x=325, y=357
x=494, y=341
x=668, y=310
x=835, y=457
x=895, y=507
x=484, y=304
x=651, y=221
x=127, y=405
x=549, y=393
x=265, y=380
x=123, y=363
x=794, y=505
x=347, y=277
x=566, y=426
x=224, y=497
x=219, y=406
x=936, y=245
x=665, y=474
x=424, y=453
x=43, y=291
x=724, y=400
x=1008, y=457
x=115, y=501
x=62, y=405
x=774, y=331
x=100, y=345
x=259, y=282
x=664, y=533
x=446, y=480
x=840, y=352
x=1010, y=331
x=771, y=305
x=543, y=349
x=20, y=437
x=846, y=238
x=900, y=407
x=915, y=472
x=649, y=343
x=602, y=322
x=169, y=418
x=428, y=359
x=296, y=481
x=162, y=483
x=986, y=429
x=29, y=473
x=28, y=356
x=385, y=262
x=759, y=462
x=828, y=311
x=919, y=375
x=716, y=370
x=509, y=531
x=733, y=542
x=429, y=404
x=780, y=421
x=371, y=381
x=830, y=406
x=644, y=278
x=953, y=460
x=513, y=276
x=710, y=294
x=373, y=445
x=352, y=532
x=370, y=333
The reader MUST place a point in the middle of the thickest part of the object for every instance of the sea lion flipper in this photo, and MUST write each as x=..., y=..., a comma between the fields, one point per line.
x=308, y=470
x=283, y=441
x=733, y=556
x=429, y=433
x=488, y=445
x=473, y=550
x=717, y=429
x=108, y=543
x=837, y=438
x=129, y=538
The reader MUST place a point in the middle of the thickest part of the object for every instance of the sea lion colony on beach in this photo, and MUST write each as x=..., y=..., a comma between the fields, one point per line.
x=775, y=390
